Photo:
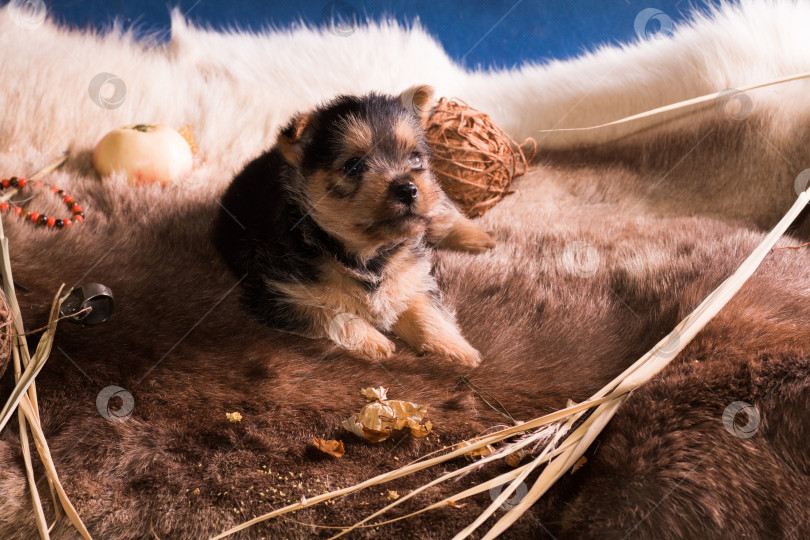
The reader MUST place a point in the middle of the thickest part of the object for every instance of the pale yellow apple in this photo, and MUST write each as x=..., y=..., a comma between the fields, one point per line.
x=147, y=153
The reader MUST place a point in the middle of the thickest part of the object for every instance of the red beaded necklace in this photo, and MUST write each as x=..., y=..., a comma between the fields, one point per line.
x=35, y=217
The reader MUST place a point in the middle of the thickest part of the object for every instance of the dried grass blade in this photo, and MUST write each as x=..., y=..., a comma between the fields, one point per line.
x=447, y=476
x=500, y=454
x=39, y=513
x=26, y=397
x=544, y=420
x=37, y=361
x=19, y=391
x=558, y=466
x=50, y=469
x=484, y=486
x=627, y=125
x=475, y=490
x=551, y=449
x=20, y=353
x=502, y=496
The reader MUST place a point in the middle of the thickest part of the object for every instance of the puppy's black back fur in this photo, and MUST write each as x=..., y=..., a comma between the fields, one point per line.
x=259, y=234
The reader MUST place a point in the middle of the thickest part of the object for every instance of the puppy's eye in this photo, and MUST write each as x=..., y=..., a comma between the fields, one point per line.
x=354, y=167
x=416, y=161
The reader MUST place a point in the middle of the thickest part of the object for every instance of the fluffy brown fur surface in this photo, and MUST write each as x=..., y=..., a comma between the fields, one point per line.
x=599, y=254
x=550, y=328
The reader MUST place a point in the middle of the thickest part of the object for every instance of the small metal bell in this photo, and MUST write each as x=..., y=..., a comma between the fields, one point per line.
x=95, y=296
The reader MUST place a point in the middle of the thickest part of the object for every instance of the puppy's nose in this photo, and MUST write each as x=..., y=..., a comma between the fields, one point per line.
x=406, y=192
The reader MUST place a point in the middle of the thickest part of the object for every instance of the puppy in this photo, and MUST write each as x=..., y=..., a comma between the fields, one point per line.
x=329, y=229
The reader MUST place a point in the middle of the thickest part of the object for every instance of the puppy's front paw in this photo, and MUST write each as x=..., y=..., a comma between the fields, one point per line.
x=356, y=334
x=376, y=346
x=456, y=350
x=467, y=236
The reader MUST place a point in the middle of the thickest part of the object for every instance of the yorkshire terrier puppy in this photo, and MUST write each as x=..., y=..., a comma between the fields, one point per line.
x=329, y=229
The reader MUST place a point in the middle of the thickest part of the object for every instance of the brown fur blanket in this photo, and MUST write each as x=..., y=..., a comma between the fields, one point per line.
x=600, y=253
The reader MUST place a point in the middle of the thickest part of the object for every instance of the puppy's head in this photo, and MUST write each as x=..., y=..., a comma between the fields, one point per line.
x=362, y=167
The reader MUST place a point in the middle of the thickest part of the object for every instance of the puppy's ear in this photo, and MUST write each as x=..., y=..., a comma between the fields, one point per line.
x=293, y=136
x=419, y=101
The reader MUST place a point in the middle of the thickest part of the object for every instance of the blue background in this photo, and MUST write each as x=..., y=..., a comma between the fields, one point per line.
x=475, y=33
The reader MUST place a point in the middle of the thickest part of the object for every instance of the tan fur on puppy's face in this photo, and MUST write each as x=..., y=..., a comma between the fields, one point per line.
x=360, y=206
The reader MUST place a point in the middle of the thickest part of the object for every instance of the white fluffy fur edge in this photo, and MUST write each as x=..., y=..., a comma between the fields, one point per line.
x=236, y=88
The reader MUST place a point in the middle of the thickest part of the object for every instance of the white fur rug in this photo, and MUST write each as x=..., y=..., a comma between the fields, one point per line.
x=235, y=89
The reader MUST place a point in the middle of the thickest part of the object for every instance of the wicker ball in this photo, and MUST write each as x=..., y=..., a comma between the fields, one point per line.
x=5, y=333
x=474, y=160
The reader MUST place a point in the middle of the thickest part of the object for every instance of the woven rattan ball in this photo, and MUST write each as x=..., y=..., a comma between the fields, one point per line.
x=474, y=160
